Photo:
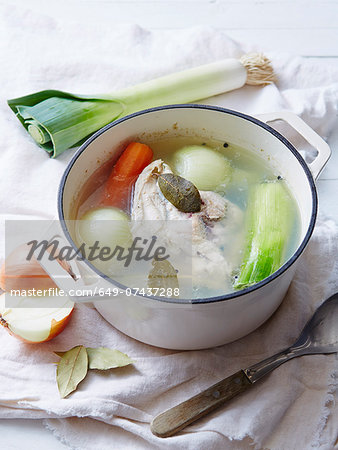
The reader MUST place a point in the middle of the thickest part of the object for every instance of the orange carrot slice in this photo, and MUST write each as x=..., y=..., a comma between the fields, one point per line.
x=127, y=168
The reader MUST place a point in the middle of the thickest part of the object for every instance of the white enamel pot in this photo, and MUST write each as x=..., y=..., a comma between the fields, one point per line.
x=204, y=322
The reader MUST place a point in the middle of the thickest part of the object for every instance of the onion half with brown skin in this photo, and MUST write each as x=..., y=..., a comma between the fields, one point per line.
x=18, y=273
x=33, y=324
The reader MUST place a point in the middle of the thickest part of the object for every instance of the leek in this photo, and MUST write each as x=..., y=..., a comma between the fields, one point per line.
x=270, y=220
x=58, y=120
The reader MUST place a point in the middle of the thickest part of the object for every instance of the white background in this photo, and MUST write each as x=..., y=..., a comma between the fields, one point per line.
x=304, y=27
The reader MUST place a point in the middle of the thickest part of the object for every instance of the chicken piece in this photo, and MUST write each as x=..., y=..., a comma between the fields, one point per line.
x=209, y=267
x=149, y=202
x=213, y=206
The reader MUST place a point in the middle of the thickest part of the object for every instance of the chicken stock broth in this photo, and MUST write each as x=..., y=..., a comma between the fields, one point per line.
x=234, y=238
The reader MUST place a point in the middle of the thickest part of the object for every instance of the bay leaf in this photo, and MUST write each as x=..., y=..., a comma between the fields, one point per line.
x=183, y=194
x=71, y=370
x=60, y=353
x=164, y=276
x=104, y=358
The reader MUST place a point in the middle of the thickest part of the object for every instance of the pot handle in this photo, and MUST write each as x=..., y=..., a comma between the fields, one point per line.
x=67, y=274
x=298, y=124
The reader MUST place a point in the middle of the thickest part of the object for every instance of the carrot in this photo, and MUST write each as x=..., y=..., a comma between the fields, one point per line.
x=129, y=165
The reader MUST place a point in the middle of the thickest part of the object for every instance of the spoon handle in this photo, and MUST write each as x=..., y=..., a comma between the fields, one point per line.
x=260, y=369
x=174, y=419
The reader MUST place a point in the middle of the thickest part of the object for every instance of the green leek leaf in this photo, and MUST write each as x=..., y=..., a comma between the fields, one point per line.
x=58, y=121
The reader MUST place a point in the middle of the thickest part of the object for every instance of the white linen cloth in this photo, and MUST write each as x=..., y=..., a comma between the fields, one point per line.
x=290, y=408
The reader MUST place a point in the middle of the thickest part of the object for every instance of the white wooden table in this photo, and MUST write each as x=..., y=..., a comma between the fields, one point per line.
x=308, y=28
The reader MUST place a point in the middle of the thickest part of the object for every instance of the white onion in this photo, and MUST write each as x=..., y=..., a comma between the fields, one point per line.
x=108, y=226
x=206, y=168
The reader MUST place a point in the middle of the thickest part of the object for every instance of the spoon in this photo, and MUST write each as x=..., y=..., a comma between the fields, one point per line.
x=320, y=335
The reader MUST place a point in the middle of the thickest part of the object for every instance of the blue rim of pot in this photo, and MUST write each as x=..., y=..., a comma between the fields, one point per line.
x=215, y=299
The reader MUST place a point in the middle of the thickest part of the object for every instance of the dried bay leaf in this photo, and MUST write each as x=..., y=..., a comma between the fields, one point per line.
x=163, y=276
x=103, y=358
x=183, y=194
x=74, y=364
x=71, y=369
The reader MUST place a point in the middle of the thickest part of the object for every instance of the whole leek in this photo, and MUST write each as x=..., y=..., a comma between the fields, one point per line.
x=270, y=220
x=58, y=120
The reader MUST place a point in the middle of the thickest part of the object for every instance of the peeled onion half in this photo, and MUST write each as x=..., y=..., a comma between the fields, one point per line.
x=32, y=324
